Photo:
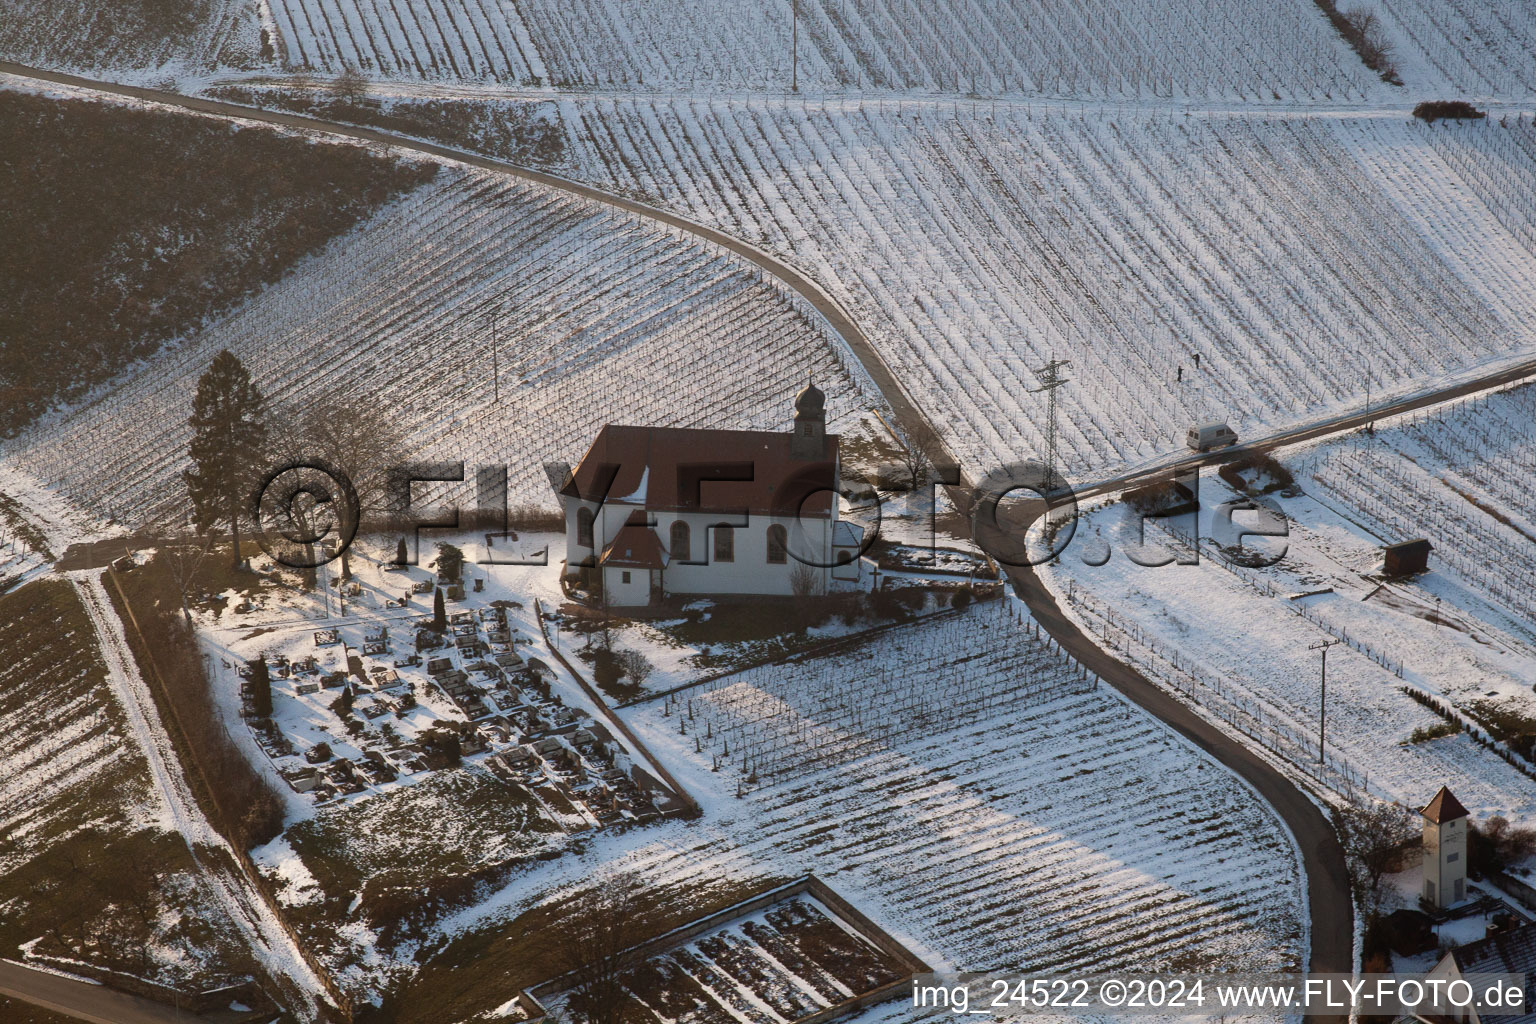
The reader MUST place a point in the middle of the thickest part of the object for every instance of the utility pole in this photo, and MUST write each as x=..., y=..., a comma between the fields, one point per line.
x=1050, y=379
x=794, y=45
x=1322, y=697
x=1370, y=423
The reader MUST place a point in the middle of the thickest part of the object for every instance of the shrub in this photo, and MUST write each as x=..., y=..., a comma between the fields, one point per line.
x=1165, y=497
x=1423, y=734
x=1495, y=845
x=606, y=669
x=442, y=745
x=1433, y=110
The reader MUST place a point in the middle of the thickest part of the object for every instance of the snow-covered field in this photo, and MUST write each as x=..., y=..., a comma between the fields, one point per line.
x=585, y=316
x=1205, y=49
x=1061, y=830
x=1462, y=478
x=145, y=40
x=1253, y=632
x=87, y=801
x=1469, y=47
x=68, y=743
x=976, y=241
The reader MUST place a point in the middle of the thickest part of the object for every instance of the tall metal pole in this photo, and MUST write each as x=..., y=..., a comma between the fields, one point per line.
x=1322, y=698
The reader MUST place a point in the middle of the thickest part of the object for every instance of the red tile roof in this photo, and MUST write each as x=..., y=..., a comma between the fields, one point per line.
x=669, y=469
x=1443, y=808
x=635, y=546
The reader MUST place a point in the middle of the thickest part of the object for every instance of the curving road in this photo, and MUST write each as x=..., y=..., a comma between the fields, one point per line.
x=1332, y=926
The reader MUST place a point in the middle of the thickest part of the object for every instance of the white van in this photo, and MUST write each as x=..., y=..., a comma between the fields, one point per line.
x=1205, y=436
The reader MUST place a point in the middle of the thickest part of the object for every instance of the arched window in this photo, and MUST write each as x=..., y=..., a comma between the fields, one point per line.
x=682, y=548
x=778, y=543
x=725, y=543
x=584, y=527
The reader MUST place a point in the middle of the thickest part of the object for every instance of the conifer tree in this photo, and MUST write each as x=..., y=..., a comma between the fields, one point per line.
x=261, y=687
x=229, y=436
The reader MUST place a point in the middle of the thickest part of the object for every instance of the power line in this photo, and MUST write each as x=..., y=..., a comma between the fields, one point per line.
x=1050, y=379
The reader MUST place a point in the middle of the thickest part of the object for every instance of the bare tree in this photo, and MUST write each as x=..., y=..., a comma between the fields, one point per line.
x=183, y=559
x=1371, y=40
x=350, y=86
x=358, y=437
x=805, y=584
x=804, y=581
x=605, y=619
x=1496, y=845
x=918, y=453
x=637, y=666
x=1374, y=835
x=596, y=942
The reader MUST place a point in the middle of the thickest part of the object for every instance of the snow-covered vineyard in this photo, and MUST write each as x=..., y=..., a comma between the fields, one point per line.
x=1219, y=257
x=1480, y=47
x=780, y=729
x=1055, y=47
x=470, y=288
x=1404, y=644
x=477, y=39
x=772, y=966
x=70, y=745
x=1190, y=268
x=1462, y=476
x=1064, y=832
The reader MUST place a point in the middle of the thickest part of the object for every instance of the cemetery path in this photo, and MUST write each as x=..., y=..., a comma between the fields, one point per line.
x=224, y=881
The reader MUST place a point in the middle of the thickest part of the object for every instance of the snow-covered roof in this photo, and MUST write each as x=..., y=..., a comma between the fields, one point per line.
x=846, y=534
x=1511, y=952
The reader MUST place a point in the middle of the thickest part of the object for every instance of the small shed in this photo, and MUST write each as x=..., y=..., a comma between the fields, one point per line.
x=1406, y=557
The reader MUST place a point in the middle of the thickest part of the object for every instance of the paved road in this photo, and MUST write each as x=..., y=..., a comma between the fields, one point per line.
x=96, y=1003
x=1323, y=860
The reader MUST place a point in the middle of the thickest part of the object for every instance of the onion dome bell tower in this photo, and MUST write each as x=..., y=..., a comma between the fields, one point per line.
x=809, y=441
